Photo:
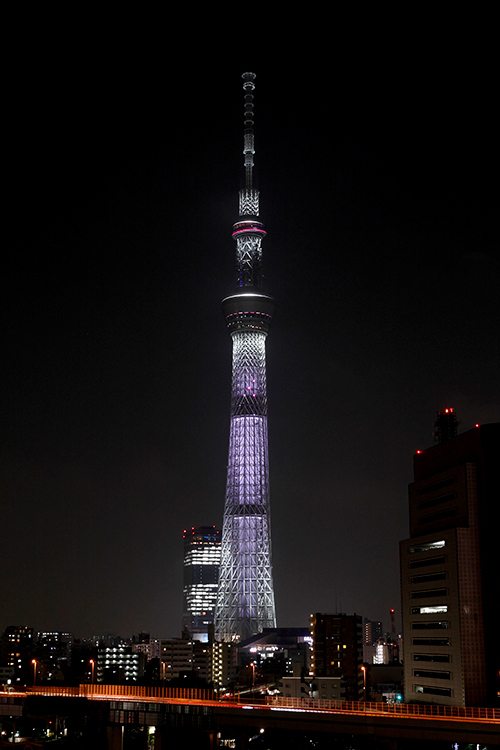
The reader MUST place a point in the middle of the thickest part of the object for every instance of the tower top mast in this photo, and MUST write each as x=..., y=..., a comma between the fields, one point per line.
x=248, y=149
x=249, y=198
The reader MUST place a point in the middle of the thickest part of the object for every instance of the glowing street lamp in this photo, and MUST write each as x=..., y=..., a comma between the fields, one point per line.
x=33, y=661
x=364, y=681
x=92, y=667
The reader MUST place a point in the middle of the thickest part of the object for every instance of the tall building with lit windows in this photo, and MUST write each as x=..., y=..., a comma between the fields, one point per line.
x=245, y=603
x=449, y=569
x=201, y=577
x=16, y=653
x=337, y=652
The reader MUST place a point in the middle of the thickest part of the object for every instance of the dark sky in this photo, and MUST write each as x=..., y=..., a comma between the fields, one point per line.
x=378, y=171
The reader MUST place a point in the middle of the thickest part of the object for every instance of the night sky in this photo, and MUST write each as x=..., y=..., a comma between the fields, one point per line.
x=378, y=172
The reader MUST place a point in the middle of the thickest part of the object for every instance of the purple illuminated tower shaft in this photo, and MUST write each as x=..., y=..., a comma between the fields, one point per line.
x=245, y=601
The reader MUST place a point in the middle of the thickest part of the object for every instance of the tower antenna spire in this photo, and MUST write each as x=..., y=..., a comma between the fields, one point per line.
x=249, y=198
x=248, y=137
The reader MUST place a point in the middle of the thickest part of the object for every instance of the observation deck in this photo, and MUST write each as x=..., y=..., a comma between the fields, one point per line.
x=248, y=227
x=248, y=311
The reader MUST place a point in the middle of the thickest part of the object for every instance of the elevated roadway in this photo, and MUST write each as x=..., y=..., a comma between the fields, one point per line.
x=393, y=724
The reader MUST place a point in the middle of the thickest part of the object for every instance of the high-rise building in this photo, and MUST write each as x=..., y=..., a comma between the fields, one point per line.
x=245, y=602
x=449, y=569
x=17, y=653
x=53, y=655
x=372, y=631
x=201, y=576
x=224, y=664
x=337, y=651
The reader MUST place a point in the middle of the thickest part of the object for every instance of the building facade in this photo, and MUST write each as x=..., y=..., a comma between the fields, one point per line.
x=224, y=664
x=323, y=688
x=449, y=579
x=201, y=578
x=53, y=655
x=372, y=631
x=245, y=602
x=17, y=652
x=185, y=656
x=337, y=652
x=119, y=665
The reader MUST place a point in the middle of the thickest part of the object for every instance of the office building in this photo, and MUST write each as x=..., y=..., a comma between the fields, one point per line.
x=176, y=656
x=449, y=569
x=185, y=656
x=201, y=577
x=53, y=654
x=372, y=631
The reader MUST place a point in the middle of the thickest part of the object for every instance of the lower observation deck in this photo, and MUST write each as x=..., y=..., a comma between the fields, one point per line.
x=248, y=310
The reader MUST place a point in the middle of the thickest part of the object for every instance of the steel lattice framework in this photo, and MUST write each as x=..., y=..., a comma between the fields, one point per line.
x=245, y=598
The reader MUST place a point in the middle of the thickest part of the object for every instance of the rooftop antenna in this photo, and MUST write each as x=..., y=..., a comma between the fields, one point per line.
x=445, y=426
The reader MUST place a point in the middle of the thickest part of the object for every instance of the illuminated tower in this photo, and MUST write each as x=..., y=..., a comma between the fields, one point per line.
x=245, y=601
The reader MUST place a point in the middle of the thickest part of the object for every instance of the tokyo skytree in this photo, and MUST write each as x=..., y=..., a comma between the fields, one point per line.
x=245, y=599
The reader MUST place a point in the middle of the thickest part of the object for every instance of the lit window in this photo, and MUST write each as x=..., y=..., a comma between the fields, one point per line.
x=427, y=546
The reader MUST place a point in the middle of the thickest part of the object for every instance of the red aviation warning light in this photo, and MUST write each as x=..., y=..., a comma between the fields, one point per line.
x=445, y=426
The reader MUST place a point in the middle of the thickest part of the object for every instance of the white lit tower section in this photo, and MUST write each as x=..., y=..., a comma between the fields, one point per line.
x=245, y=600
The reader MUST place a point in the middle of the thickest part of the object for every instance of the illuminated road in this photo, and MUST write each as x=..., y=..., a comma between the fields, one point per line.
x=293, y=705
x=425, y=722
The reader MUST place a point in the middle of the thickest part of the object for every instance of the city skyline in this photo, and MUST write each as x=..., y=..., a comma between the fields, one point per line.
x=383, y=253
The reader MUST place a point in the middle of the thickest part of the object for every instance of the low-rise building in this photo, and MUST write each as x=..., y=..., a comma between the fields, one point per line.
x=118, y=664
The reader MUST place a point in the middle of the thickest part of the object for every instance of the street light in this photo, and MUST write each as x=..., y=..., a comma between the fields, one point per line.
x=33, y=661
x=364, y=681
x=92, y=665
